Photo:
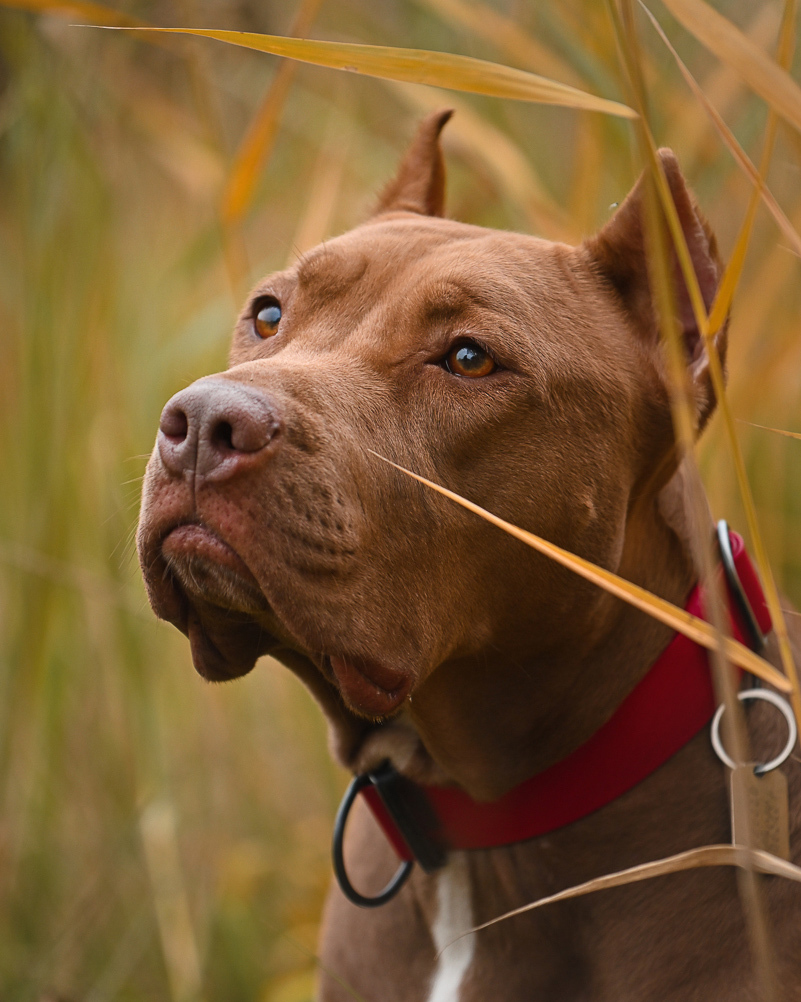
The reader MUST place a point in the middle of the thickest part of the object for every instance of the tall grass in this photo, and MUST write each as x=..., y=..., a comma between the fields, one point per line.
x=161, y=838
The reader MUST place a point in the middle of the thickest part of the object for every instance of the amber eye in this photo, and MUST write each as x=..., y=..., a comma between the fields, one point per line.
x=266, y=316
x=469, y=360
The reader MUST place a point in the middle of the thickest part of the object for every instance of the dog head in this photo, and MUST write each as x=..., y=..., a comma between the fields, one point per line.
x=522, y=374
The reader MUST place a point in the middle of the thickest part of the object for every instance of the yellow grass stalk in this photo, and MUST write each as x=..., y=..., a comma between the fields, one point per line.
x=730, y=140
x=255, y=148
x=731, y=276
x=779, y=431
x=253, y=153
x=440, y=69
x=718, y=383
x=722, y=87
x=708, y=855
x=753, y=904
x=729, y=44
x=671, y=615
x=681, y=402
x=508, y=37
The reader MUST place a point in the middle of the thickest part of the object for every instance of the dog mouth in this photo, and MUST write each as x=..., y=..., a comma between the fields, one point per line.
x=373, y=688
x=207, y=590
x=199, y=583
x=206, y=567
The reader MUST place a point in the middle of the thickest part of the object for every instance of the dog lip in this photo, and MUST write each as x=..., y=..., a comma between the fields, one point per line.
x=195, y=540
x=371, y=688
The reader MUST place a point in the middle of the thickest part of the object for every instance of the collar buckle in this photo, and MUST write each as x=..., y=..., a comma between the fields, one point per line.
x=405, y=815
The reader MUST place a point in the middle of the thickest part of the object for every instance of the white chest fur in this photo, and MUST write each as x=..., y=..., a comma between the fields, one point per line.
x=454, y=916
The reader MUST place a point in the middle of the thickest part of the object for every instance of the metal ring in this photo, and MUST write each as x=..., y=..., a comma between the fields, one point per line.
x=752, y=627
x=350, y=892
x=780, y=704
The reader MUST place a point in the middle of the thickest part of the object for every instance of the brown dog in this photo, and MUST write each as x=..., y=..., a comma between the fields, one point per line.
x=528, y=377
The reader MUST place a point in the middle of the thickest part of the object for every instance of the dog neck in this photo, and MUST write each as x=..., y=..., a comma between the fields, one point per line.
x=553, y=702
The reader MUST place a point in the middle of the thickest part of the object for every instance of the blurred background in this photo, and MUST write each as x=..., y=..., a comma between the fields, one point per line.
x=162, y=838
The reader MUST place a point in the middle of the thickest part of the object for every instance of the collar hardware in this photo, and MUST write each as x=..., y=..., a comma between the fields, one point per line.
x=371, y=780
x=782, y=706
x=737, y=588
x=670, y=705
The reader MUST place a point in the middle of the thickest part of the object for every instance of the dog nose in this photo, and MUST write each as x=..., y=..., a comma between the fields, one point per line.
x=216, y=427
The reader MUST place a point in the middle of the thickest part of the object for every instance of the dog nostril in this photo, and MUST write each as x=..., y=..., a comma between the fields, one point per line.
x=174, y=423
x=222, y=435
x=244, y=433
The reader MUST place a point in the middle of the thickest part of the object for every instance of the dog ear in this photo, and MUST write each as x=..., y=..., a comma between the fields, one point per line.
x=419, y=185
x=620, y=254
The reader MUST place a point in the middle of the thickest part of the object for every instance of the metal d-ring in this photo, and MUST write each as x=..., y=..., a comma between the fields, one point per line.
x=350, y=892
x=752, y=627
x=782, y=705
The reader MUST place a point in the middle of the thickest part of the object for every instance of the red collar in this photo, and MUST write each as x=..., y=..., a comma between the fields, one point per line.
x=667, y=708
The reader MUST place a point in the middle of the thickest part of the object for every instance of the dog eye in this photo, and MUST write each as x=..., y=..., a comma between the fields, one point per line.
x=266, y=316
x=469, y=360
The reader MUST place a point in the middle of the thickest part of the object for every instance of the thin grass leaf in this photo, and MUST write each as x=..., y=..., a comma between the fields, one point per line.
x=734, y=268
x=729, y=44
x=693, y=859
x=751, y=896
x=439, y=69
x=254, y=150
x=730, y=140
x=778, y=431
x=486, y=22
x=671, y=615
x=719, y=387
x=661, y=277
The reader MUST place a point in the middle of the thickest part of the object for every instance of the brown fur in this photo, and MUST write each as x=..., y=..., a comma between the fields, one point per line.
x=310, y=548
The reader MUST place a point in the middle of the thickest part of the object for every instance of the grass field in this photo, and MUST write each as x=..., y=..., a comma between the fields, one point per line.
x=161, y=838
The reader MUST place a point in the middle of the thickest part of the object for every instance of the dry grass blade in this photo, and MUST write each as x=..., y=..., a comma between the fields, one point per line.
x=507, y=36
x=778, y=431
x=255, y=148
x=678, y=619
x=661, y=210
x=729, y=44
x=730, y=140
x=77, y=8
x=693, y=859
x=440, y=69
x=718, y=384
x=731, y=276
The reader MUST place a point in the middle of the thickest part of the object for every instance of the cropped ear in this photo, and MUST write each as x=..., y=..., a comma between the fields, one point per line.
x=419, y=185
x=620, y=252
